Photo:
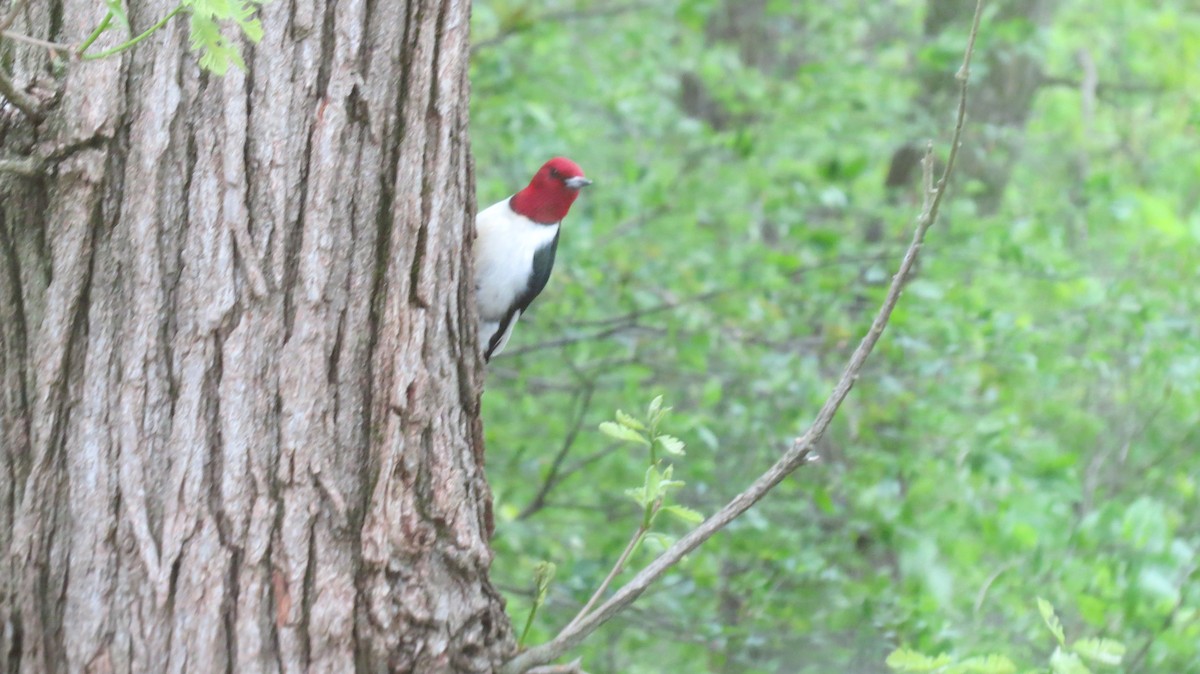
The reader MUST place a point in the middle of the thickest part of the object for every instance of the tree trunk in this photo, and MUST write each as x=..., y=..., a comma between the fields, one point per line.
x=240, y=388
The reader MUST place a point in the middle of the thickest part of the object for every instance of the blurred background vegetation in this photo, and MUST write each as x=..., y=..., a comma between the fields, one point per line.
x=1029, y=424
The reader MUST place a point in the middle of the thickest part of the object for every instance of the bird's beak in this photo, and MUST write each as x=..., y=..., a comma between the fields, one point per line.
x=578, y=182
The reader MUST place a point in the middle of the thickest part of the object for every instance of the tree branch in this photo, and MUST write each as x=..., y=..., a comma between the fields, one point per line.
x=36, y=42
x=799, y=451
x=570, y=339
x=612, y=574
x=553, y=476
x=129, y=44
x=614, y=325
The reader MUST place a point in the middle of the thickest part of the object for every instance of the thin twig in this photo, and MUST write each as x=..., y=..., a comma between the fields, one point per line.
x=553, y=476
x=24, y=103
x=671, y=305
x=987, y=584
x=612, y=574
x=37, y=42
x=617, y=324
x=590, y=459
x=798, y=453
x=96, y=32
x=632, y=316
x=128, y=44
x=571, y=339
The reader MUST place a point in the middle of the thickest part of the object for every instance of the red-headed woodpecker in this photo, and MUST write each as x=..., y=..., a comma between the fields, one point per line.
x=514, y=248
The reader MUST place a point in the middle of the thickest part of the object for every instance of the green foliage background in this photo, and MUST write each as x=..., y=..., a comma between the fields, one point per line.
x=1029, y=424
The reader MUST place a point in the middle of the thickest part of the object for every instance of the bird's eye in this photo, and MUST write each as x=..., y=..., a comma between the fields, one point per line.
x=554, y=173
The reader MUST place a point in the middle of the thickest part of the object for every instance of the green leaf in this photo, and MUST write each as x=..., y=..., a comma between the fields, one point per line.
x=1065, y=662
x=665, y=482
x=685, y=514
x=117, y=8
x=543, y=575
x=984, y=664
x=1052, y=621
x=671, y=444
x=905, y=660
x=655, y=409
x=629, y=422
x=253, y=30
x=654, y=482
x=638, y=495
x=1102, y=651
x=218, y=52
x=619, y=432
x=671, y=484
x=1159, y=213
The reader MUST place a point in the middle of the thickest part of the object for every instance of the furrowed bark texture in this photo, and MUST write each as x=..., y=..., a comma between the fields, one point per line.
x=239, y=406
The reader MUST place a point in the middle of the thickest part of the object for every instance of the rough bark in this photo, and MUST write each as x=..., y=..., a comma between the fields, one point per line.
x=238, y=387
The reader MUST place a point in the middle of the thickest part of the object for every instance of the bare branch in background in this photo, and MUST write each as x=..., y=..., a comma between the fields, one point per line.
x=37, y=42
x=614, y=325
x=554, y=476
x=572, y=339
x=798, y=453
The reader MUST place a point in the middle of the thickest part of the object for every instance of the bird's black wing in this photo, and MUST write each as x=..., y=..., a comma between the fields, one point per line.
x=543, y=262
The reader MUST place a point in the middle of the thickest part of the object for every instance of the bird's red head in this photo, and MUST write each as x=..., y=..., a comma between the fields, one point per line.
x=550, y=194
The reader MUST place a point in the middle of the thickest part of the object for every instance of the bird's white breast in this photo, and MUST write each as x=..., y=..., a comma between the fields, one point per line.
x=504, y=247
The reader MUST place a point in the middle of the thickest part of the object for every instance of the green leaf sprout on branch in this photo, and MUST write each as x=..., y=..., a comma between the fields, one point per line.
x=206, y=18
x=543, y=575
x=653, y=495
x=659, y=480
